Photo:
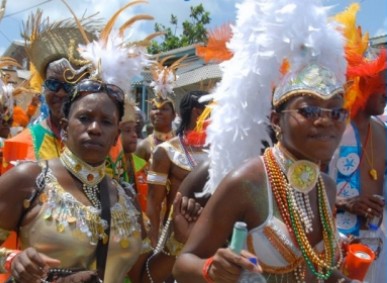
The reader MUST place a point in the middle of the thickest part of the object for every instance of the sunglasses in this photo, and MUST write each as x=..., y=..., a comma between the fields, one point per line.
x=91, y=86
x=55, y=85
x=314, y=112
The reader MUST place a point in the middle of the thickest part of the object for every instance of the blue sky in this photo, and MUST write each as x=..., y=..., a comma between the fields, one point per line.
x=372, y=16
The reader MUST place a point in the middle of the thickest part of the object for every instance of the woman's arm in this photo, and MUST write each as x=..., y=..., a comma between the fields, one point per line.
x=16, y=187
x=234, y=200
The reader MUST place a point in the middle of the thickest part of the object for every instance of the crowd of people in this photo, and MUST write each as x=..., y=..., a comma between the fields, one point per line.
x=87, y=194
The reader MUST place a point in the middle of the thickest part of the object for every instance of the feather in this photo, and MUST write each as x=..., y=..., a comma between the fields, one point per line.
x=164, y=77
x=110, y=24
x=215, y=49
x=113, y=59
x=131, y=21
x=80, y=27
x=362, y=72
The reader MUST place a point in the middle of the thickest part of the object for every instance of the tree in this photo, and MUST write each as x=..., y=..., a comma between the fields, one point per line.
x=194, y=31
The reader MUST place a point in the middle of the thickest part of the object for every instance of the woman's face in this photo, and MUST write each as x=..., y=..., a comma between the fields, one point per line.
x=128, y=136
x=162, y=117
x=91, y=128
x=315, y=137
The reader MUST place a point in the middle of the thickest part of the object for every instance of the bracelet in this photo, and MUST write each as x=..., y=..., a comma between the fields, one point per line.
x=9, y=260
x=341, y=280
x=206, y=270
x=174, y=246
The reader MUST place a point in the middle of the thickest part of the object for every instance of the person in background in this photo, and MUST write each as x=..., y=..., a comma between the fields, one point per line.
x=162, y=111
x=172, y=161
x=48, y=51
x=140, y=122
x=359, y=165
x=285, y=200
x=135, y=167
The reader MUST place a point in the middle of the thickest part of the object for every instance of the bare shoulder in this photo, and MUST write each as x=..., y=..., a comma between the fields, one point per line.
x=248, y=177
x=143, y=149
x=24, y=173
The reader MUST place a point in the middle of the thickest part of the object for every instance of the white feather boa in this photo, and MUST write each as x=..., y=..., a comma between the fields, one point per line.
x=265, y=33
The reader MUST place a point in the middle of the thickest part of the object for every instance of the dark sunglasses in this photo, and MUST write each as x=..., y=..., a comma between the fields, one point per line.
x=91, y=86
x=314, y=112
x=56, y=85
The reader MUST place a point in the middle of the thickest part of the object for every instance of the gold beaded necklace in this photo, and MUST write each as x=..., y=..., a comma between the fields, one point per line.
x=321, y=266
x=90, y=176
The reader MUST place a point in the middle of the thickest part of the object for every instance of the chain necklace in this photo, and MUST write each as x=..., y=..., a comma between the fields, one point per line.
x=90, y=176
x=373, y=173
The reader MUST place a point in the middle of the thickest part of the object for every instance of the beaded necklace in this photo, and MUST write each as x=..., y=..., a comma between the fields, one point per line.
x=89, y=176
x=321, y=266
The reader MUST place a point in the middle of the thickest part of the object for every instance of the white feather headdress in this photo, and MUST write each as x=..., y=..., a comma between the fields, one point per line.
x=265, y=34
x=164, y=78
x=114, y=58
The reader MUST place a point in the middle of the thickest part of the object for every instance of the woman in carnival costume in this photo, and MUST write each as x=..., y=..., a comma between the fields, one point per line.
x=286, y=202
x=163, y=111
x=75, y=223
x=359, y=165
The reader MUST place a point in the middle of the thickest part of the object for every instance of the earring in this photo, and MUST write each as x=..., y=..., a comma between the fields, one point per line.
x=63, y=135
x=277, y=131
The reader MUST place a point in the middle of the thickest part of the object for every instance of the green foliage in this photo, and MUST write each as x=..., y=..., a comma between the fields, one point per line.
x=194, y=31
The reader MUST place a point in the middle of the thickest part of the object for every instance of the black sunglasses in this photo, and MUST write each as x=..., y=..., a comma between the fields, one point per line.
x=314, y=112
x=88, y=86
x=56, y=85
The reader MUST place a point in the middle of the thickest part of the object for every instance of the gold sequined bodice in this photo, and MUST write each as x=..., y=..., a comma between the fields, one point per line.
x=68, y=230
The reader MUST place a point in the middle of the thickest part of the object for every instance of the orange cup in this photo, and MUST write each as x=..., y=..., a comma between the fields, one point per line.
x=359, y=258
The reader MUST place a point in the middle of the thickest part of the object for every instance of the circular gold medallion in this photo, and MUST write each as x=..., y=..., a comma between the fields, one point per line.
x=303, y=175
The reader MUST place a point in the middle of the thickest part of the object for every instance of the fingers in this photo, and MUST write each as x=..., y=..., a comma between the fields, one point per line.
x=227, y=265
x=28, y=266
x=177, y=204
x=49, y=261
x=190, y=209
x=368, y=206
x=187, y=207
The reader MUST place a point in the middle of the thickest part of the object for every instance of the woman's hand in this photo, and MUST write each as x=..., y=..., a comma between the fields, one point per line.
x=227, y=265
x=185, y=213
x=366, y=206
x=81, y=276
x=29, y=266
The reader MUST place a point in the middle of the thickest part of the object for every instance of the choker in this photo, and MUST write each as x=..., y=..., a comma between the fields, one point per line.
x=90, y=176
x=163, y=136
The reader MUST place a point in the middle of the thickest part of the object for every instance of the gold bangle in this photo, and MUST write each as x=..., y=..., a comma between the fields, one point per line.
x=3, y=258
x=174, y=247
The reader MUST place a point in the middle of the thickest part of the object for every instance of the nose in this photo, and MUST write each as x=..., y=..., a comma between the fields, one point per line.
x=94, y=128
x=324, y=119
x=61, y=93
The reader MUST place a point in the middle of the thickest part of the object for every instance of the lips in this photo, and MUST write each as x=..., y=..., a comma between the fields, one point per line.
x=92, y=144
